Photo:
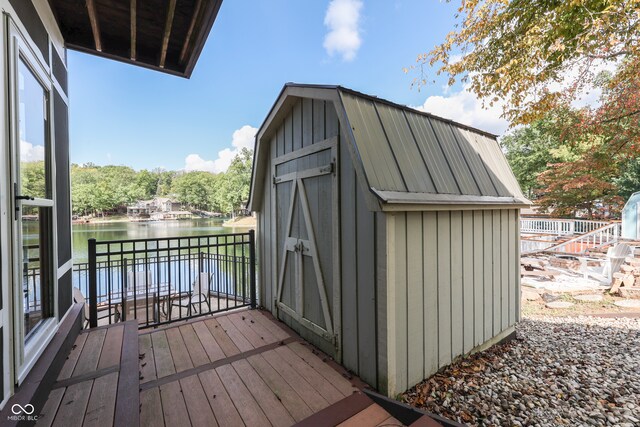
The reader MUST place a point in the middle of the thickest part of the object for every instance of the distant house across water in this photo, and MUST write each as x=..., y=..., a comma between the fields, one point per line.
x=157, y=208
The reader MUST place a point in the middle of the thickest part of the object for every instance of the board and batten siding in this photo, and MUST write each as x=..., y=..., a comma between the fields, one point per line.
x=361, y=232
x=452, y=284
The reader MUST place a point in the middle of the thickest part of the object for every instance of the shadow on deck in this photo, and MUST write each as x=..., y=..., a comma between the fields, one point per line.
x=232, y=369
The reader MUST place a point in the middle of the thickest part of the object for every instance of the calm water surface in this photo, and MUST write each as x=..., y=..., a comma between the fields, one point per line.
x=144, y=230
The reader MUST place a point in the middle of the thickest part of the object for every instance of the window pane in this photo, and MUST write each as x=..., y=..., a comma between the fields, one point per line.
x=36, y=266
x=33, y=135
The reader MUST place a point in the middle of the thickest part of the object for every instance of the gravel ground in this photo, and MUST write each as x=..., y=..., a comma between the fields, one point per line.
x=578, y=371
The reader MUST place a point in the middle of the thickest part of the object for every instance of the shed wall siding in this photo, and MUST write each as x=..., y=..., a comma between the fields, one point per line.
x=362, y=232
x=452, y=284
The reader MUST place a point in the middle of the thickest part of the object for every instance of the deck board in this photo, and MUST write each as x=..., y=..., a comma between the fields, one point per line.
x=197, y=403
x=333, y=376
x=248, y=408
x=102, y=403
x=209, y=343
x=72, y=359
x=147, y=362
x=174, y=408
x=234, y=333
x=317, y=381
x=179, y=353
x=162, y=354
x=112, y=347
x=241, y=322
x=276, y=330
x=314, y=399
x=225, y=342
x=90, y=355
x=223, y=408
x=151, y=408
x=194, y=346
x=73, y=405
x=369, y=417
x=270, y=403
x=296, y=406
x=50, y=408
x=266, y=333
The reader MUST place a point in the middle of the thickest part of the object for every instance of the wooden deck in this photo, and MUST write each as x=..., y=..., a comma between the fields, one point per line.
x=240, y=368
x=97, y=385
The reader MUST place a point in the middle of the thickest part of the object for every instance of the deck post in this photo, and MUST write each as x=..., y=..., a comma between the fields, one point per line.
x=252, y=266
x=93, y=286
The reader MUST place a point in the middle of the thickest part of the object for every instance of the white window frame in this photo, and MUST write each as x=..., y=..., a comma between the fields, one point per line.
x=25, y=355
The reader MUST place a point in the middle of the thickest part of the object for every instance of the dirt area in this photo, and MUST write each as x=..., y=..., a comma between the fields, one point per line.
x=606, y=306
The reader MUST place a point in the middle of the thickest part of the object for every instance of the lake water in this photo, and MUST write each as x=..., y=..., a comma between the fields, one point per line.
x=144, y=230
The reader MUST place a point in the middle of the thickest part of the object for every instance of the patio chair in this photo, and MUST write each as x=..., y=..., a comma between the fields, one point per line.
x=140, y=295
x=615, y=259
x=199, y=295
x=103, y=312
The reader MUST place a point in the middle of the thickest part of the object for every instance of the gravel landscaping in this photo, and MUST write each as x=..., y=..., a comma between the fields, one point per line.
x=558, y=371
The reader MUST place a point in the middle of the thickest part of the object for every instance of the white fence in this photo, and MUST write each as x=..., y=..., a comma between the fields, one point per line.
x=559, y=227
x=579, y=245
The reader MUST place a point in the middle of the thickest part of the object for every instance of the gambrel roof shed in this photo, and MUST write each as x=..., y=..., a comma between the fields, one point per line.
x=386, y=236
x=405, y=156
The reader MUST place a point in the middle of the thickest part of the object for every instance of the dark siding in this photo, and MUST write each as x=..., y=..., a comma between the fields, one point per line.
x=59, y=70
x=309, y=122
x=63, y=188
x=29, y=17
x=64, y=294
x=358, y=233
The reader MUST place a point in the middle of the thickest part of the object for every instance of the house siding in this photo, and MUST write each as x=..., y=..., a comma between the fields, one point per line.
x=453, y=285
x=63, y=184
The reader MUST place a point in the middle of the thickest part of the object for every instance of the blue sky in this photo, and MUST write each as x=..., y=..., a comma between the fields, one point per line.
x=121, y=114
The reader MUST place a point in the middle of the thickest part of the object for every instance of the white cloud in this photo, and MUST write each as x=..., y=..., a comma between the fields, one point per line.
x=342, y=19
x=463, y=107
x=242, y=138
x=29, y=153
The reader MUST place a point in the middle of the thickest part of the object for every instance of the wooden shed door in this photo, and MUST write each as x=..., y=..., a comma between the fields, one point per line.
x=306, y=220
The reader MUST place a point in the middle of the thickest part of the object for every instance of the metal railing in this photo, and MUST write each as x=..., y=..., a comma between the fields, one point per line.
x=579, y=245
x=162, y=280
x=559, y=227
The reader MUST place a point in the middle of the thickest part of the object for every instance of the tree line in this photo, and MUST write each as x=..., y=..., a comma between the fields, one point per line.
x=96, y=190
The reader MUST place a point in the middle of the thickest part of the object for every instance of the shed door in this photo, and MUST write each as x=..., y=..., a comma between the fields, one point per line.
x=306, y=219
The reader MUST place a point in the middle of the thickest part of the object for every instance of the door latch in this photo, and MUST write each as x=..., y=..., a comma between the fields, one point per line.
x=19, y=197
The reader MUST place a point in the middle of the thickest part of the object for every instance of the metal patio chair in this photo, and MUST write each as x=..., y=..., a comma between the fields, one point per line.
x=199, y=295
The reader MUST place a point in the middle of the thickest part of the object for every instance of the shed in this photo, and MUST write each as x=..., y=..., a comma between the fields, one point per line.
x=631, y=218
x=387, y=237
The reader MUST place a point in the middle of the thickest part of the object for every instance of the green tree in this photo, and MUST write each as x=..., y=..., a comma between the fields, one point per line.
x=147, y=183
x=628, y=179
x=235, y=183
x=538, y=54
x=194, y=189
x=32, y=179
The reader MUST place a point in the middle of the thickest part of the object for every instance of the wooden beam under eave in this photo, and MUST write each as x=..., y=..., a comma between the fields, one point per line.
x=133, y=29
x=95, y=28
x=167, y=32
x=187, y=39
